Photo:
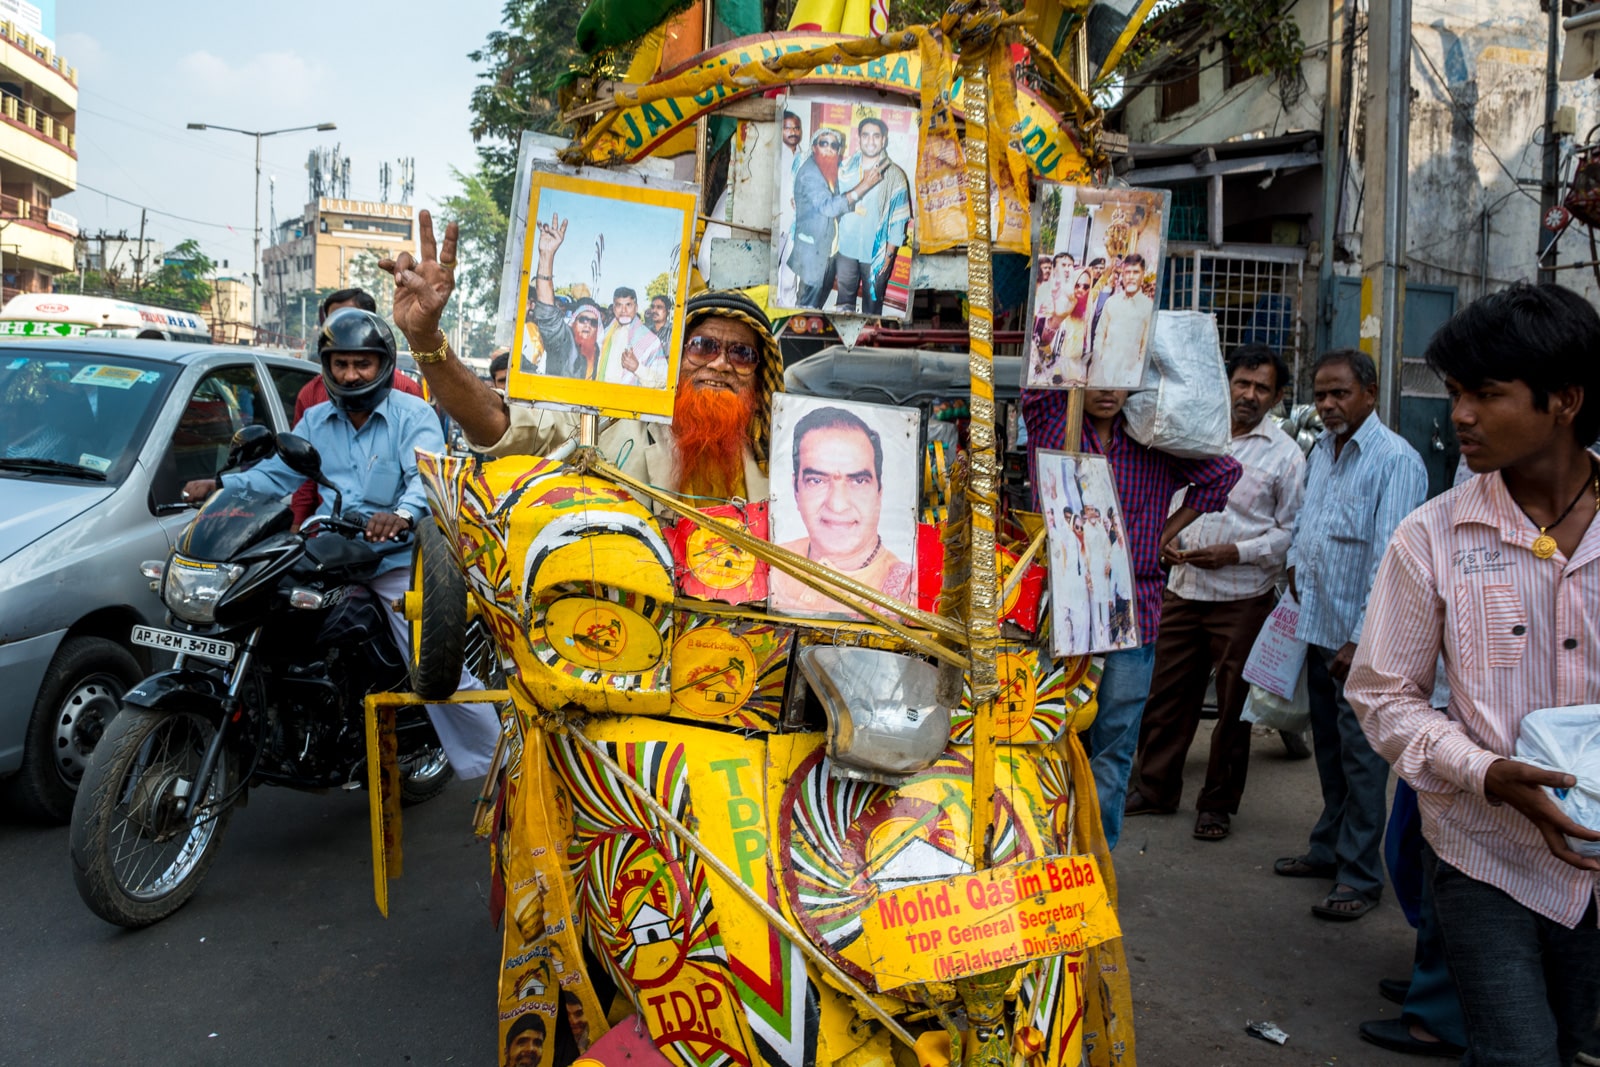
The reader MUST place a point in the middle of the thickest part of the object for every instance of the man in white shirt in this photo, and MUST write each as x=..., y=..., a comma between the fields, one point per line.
x=1224, y=567
x=1117, y=356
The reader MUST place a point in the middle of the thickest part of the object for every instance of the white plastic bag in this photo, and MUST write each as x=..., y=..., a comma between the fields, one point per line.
x=1277, y=659
x=1182, y=407
x=1568, y=740
x=1268, y=709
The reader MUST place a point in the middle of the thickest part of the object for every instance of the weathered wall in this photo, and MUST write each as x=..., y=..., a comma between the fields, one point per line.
x=1255, y=106
x=1477, y=109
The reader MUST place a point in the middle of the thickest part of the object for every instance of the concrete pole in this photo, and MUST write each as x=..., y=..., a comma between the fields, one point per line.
x=1383, y=230
x=255, y=275
x=1332, y=170
x=1550, y=180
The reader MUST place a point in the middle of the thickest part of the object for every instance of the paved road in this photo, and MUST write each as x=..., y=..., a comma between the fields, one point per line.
x=281, y=958
x=284, y=958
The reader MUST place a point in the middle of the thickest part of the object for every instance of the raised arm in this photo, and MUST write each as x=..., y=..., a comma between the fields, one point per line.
x=422, y=288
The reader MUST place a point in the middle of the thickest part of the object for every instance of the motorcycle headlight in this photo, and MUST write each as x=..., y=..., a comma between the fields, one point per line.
x=193, y=588
x=885, y=721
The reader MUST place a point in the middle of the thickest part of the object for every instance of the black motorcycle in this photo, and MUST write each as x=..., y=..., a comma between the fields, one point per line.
x=277, y=643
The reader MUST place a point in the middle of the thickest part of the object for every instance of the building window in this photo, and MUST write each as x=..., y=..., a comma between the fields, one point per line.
x=1236, y=68
x=1191, y=208
x=1181, y=88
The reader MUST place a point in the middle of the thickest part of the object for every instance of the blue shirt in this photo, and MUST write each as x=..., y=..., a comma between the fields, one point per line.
x=374, y=468
x=1352, y=507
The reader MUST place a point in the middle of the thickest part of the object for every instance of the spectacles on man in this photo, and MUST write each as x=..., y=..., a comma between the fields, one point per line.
x=588, y=320
x=701, y=350
x=830, y=145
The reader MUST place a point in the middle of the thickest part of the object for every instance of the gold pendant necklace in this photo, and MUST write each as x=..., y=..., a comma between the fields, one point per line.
x=1544, y=546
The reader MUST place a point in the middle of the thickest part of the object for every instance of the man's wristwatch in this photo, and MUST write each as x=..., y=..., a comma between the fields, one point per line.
x=411, y=520
x=438, y=355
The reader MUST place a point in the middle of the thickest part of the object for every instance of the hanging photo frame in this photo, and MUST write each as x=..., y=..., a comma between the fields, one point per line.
x=604, y=275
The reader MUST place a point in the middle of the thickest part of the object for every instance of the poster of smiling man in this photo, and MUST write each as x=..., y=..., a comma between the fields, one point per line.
x=605, y=268
x=1096, y=285
x=832, y=502
x=842, y=237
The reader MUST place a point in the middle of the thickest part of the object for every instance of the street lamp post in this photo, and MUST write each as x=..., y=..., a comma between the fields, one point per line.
x=255, y=272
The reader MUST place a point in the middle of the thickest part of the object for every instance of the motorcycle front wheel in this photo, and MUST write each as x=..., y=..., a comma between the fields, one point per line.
x=134, y=858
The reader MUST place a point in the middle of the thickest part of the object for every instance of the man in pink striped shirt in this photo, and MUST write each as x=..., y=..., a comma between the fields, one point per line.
x=1502, y=575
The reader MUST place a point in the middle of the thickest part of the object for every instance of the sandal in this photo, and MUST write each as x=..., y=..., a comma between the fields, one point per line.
x=1211, y=826
x=1138, y=804
x=1343, y=895
x=1301, y=867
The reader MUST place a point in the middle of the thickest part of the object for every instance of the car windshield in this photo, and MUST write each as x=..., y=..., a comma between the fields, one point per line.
x=76, y=417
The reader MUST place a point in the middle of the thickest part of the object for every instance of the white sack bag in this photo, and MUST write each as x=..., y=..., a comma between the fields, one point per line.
x=1182, y=407
x=1568, y=740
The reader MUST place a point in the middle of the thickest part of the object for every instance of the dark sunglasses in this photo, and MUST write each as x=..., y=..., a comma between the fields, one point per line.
x=592, y=320
x=701, y=349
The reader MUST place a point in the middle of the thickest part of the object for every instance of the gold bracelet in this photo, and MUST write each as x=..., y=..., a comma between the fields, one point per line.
x=438, y=355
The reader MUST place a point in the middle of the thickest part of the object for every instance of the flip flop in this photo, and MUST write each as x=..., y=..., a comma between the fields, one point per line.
x=1325, y=910
x=1300, y=867
x=1211, y=826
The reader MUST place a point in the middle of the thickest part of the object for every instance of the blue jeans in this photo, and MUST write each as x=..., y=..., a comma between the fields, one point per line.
x=1114, y=736
x=1530, y=987
x=1355, y=783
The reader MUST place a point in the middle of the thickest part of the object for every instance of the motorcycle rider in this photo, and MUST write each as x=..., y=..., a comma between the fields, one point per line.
x=367, y=434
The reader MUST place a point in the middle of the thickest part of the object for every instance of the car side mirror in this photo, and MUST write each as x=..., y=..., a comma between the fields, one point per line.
x=249, y=445
x=300, y=456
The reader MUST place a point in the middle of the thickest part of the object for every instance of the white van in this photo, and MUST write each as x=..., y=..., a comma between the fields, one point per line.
x=74, y=315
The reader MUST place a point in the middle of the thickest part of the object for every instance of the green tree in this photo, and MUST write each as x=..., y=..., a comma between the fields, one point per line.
x=660, y=285
x=364, y=274
x=180, y=282
x=523, y=62
x=480, y=248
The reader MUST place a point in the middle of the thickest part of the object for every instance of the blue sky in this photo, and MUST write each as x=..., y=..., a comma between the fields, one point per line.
x=639, y=241
x=394, y=77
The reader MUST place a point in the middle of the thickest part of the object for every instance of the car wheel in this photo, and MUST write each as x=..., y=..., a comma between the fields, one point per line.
x=81, y=692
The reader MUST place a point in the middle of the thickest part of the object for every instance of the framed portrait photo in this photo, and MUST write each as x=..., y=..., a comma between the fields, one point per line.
x=843, y=227
x=1095, y=287
x=844, y=494
x=1093, y=599
x=605, y=271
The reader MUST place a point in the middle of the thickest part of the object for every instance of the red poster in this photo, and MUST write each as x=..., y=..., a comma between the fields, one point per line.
x=710, y=567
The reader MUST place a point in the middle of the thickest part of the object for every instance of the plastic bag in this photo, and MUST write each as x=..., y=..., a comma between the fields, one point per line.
x=1278, y=658
x=1268, y=709
x=1182, y=405
x=1568, y=740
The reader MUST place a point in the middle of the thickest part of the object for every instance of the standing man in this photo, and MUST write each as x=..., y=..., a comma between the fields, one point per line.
x=790, y=158
x=1224, y=568
x=629, y=351
x=1146, y=481
x=1362, y=478
x=1120, y=327
x=660, y=314
x=569, y=343
x=871, y=235
x=818, y=204
x=1502, y=575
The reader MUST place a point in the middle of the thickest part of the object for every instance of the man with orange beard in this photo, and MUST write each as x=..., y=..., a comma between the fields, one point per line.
x=716, y=445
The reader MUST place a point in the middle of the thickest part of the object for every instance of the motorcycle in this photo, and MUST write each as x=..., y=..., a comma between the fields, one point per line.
x=277, y=643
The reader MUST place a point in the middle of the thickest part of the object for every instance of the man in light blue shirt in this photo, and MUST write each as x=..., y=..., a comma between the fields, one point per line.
x=367, y=434
x=1361, y=479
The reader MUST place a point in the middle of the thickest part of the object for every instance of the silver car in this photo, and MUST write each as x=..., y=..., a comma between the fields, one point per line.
x=97, y=438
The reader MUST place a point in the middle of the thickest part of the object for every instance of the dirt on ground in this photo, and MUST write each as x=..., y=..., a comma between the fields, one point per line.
x=1215, y=940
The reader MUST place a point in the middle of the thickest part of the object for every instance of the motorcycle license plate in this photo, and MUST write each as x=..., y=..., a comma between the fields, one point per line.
x=168, y=641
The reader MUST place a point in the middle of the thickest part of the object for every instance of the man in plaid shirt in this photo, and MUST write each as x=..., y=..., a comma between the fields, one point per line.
x=1146, y=481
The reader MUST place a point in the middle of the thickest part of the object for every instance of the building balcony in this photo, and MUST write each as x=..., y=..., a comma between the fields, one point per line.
x=28, y=238
x=34, y=62
x=34, y=140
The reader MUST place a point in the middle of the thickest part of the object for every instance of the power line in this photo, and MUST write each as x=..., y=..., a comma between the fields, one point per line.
x=158, y=211
x=1455, y=106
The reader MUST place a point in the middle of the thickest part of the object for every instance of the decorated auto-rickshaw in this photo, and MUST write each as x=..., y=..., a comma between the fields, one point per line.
x=727, y=833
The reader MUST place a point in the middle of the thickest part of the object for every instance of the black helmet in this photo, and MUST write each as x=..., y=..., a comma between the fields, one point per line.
x=355, y=330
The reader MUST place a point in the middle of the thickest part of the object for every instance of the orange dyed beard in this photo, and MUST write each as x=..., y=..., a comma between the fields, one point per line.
x=709, y=430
